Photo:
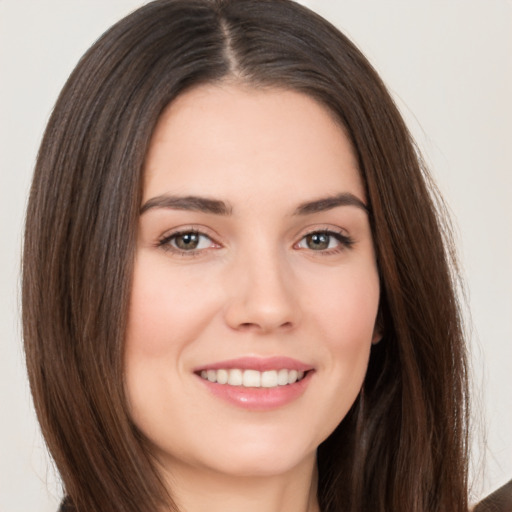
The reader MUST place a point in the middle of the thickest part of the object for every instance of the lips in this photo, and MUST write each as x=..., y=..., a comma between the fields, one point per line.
x=256, y=383
x=257, y=363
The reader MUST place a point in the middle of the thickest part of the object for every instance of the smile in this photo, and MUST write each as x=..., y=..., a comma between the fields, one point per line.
x=253, y=378
x=257, y=383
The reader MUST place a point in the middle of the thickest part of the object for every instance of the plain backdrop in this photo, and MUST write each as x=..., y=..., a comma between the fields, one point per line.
x=448, y=64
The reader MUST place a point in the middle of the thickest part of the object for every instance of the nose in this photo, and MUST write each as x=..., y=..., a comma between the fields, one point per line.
x=261, y=295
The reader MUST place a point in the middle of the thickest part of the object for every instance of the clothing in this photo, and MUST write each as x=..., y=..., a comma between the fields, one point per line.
x=498, y=501
x=66, y=506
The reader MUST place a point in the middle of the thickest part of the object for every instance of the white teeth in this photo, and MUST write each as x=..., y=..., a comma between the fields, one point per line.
x=292, y=376
x=222, y=376
x=235, y=377
x=253, y=378
x=282, y=377
x=269, y=379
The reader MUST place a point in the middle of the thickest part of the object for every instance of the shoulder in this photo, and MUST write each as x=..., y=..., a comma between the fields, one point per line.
x=498, y=501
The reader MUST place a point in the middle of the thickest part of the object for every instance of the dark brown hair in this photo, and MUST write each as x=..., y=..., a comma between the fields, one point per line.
x=402, y=447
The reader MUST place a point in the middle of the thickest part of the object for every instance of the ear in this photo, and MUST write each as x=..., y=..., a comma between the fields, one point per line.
x=378, y=330
x=377, y=335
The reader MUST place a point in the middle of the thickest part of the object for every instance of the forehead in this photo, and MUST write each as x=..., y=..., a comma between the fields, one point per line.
x=231, y=141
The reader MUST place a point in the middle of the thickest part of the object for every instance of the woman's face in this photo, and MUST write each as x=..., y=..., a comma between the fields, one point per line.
x=255, y=287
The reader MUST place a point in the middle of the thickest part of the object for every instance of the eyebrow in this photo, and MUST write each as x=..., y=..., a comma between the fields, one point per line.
x=217, y=207
x=328, y=203
x=192, y=203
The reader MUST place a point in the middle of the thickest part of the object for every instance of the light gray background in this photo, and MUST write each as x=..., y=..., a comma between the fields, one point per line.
x=449, y=65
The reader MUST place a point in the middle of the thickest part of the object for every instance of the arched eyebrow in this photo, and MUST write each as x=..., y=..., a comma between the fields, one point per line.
x=218, y=207
x=192, y=203
x=328, y=203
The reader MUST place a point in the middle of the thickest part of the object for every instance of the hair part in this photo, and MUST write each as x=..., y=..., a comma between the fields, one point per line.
x=403, y=445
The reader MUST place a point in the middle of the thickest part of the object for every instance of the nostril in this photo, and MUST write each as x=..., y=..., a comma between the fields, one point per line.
x=249, y=326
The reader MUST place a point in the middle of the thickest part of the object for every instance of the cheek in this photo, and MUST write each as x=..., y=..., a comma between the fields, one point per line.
x=166, y=315
x=346, y=308
x=345, y=319
x=167, y=309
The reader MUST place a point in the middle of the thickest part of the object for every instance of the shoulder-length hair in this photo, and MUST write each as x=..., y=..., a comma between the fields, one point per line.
x=402, y=447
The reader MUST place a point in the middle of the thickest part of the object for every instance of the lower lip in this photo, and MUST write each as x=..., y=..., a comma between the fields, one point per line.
x=259, y=399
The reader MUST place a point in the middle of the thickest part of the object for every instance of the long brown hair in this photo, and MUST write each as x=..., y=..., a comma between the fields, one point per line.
x=403, y=445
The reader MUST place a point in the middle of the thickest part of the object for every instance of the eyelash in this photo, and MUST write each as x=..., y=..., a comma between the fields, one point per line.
x=165, y=242
x=345, y=242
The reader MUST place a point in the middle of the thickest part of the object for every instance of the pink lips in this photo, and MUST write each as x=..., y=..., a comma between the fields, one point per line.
x=258, y=399
x=257, y=363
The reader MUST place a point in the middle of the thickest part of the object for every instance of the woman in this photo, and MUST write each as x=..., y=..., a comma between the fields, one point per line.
x=196, y=337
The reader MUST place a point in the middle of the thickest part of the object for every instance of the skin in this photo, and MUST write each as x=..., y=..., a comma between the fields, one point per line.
x=254, y=286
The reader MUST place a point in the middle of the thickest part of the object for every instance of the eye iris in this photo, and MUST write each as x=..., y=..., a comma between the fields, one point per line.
x=187, y=241
x=318, y=241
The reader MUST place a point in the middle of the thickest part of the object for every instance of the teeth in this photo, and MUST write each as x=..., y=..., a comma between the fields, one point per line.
x=222, y=376
x=253, y=378
x=269, y=379
x=282, y=377
x=235, y=377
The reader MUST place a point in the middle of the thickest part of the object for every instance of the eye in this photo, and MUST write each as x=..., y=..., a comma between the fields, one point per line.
x=187, y=241
x=324, y=241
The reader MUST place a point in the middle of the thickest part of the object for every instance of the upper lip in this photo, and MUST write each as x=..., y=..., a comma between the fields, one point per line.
x=257, y=363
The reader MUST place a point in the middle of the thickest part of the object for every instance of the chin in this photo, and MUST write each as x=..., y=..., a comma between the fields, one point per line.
x=263, y=466
x=261, y=456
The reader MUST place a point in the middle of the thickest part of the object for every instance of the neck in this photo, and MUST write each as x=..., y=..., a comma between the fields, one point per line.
x=202, y=490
